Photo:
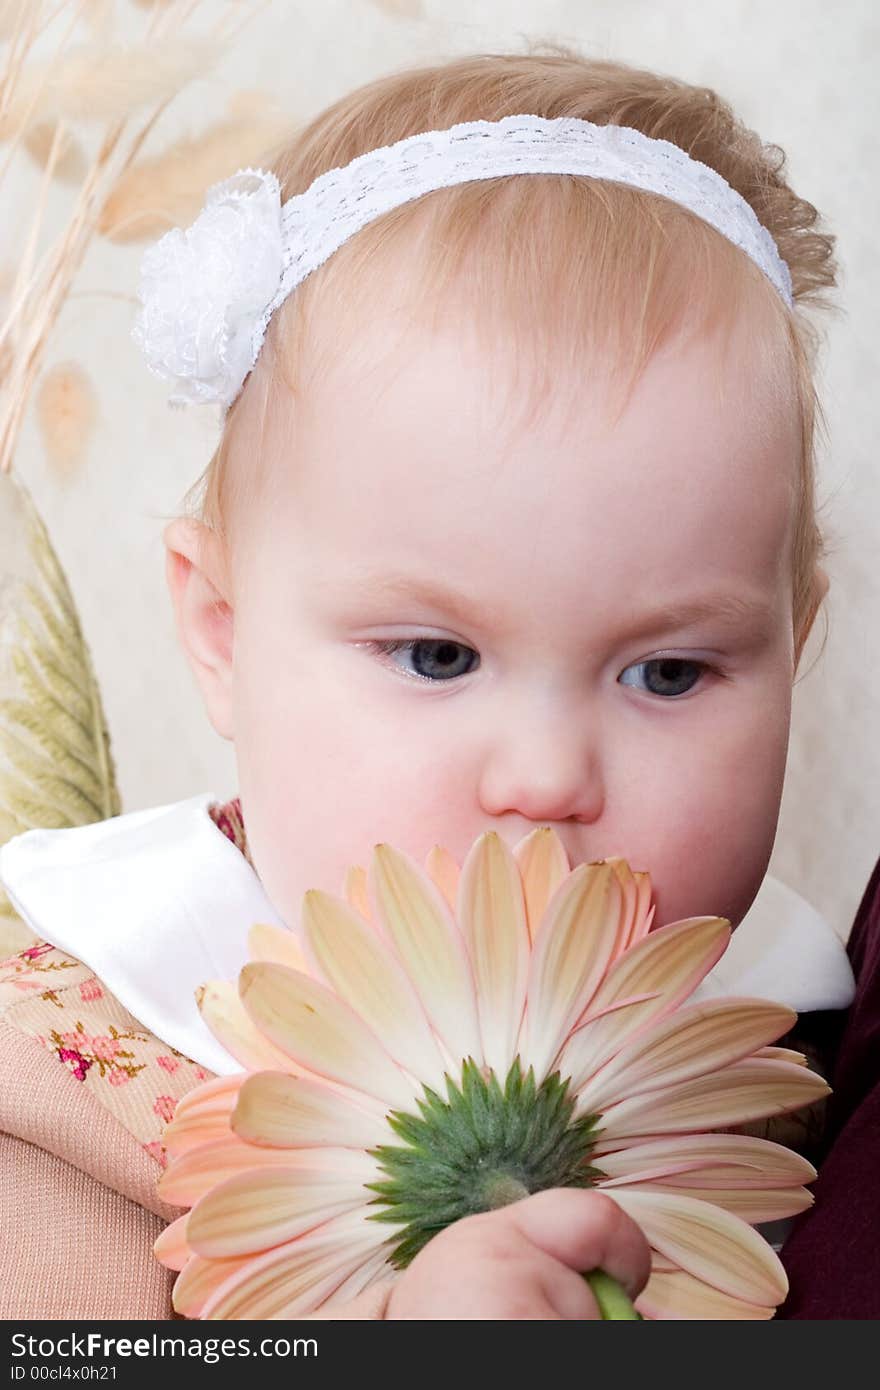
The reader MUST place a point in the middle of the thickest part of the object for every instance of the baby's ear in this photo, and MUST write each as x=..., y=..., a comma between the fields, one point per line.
x=820, y=589
x=196, y=573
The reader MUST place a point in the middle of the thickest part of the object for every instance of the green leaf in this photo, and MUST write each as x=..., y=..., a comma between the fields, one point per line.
x=56, y=765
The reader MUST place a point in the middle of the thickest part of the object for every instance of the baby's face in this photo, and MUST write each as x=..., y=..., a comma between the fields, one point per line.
x=449, y=617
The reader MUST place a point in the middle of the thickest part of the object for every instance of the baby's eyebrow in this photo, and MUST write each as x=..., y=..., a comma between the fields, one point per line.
x=742, y=610
x=388, y=585
x=733, y=610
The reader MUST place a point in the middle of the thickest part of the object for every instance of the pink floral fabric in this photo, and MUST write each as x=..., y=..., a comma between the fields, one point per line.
x=135, y=1075
x=229, y=819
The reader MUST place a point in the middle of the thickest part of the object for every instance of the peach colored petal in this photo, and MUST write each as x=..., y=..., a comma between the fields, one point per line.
x=258, y=1210
x=708, y=1243
x=221, y=1008
x=444, y=873
x=219, y=1091
x=354, y=890
x=202, y=1114
x=190, y=1132
x=570, y=956
x=543, y=864
x=172, y=1249
x=492, y=913
x=660, y=1264
x=189, y=1177
x=417, y=920
x=675, y=1295
x=297, y=1112
x=268, y=942
x=644, y=914
x=312, y=1026
x=294, y=1279
x=750, y=1204
x=735, y=1160
x=747, y=1090
x=783, y=1054
x=199, y=1281
x=666, y=967
x=362, y=970
x=693, y=1041
x=374, y=1270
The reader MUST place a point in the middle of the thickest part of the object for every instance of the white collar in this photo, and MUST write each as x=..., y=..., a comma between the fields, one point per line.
x=157, y=902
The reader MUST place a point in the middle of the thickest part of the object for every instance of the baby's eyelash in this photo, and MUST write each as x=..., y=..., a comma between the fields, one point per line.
x=703, y=668
x=391, y=647
x=679, y=664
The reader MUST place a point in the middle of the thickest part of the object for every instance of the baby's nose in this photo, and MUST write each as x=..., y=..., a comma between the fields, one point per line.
x=543, y=764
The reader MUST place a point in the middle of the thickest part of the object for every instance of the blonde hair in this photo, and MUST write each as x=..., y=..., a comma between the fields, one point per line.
x=574, y=262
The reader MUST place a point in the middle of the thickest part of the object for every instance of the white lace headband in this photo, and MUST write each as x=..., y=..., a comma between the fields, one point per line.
x=208, y=292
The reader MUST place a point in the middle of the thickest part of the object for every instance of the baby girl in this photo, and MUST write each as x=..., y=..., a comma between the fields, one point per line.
x=512, y=524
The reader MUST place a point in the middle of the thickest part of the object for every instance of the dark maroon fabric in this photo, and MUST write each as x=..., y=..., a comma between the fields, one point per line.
x=832, y=1255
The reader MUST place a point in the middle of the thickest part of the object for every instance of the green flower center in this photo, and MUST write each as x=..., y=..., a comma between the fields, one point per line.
x=481, y=1148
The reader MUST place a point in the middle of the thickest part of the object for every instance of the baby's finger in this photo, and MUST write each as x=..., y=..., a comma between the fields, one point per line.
x=567, y=1292
x=482, y=1290
x=585, y=1230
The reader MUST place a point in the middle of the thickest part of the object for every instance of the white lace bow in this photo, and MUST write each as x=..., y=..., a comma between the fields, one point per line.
x=204, y=290
x=208, y=292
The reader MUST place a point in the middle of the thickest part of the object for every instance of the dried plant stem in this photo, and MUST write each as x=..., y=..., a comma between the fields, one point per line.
x=30, y=246
x=63, y=261
x=8, y=91
x=43, y=281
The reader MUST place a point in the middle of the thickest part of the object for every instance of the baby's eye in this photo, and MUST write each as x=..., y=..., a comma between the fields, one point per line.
x=431, y=658
x=664, y=675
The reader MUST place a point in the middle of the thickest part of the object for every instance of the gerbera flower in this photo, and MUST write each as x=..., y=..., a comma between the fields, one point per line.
x=443, y=1043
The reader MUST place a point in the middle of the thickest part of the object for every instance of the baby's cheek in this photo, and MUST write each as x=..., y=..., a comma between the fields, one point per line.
x=319, y=798
x=708, y=851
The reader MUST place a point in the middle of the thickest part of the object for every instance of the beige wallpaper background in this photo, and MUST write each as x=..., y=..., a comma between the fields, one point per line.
x=803, y=73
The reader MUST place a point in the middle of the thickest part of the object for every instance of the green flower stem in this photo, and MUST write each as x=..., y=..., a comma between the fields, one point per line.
x=614, y=1304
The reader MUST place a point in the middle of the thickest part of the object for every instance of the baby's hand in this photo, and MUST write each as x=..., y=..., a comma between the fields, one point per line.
x=524, y=1261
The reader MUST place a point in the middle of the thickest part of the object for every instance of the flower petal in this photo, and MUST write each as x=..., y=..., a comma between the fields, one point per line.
x=677, y=1295
x=690, y=1042
x=189, y=1177
x=267, y=942
x=543, y=864
x=221, y=1008
x=417, y=920
x=308, y=1023
x=282, y=1111
x=202, y=1115
x=360, y=967
x=374, y=1270
x=783, y=1054
x=663, y=969
x=638, y=913
x=746, y=1090
x=570, y=956
x=660, y=1264
x=492, y=914
x=444, y=873
x=172, y=1249
x=750, y=1204
x=221, y=1092
x=708, y=1243
x=258, y=1210
x=199, y=1280
x=354, y=891
x=294, y=1279
x=736, y=1160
